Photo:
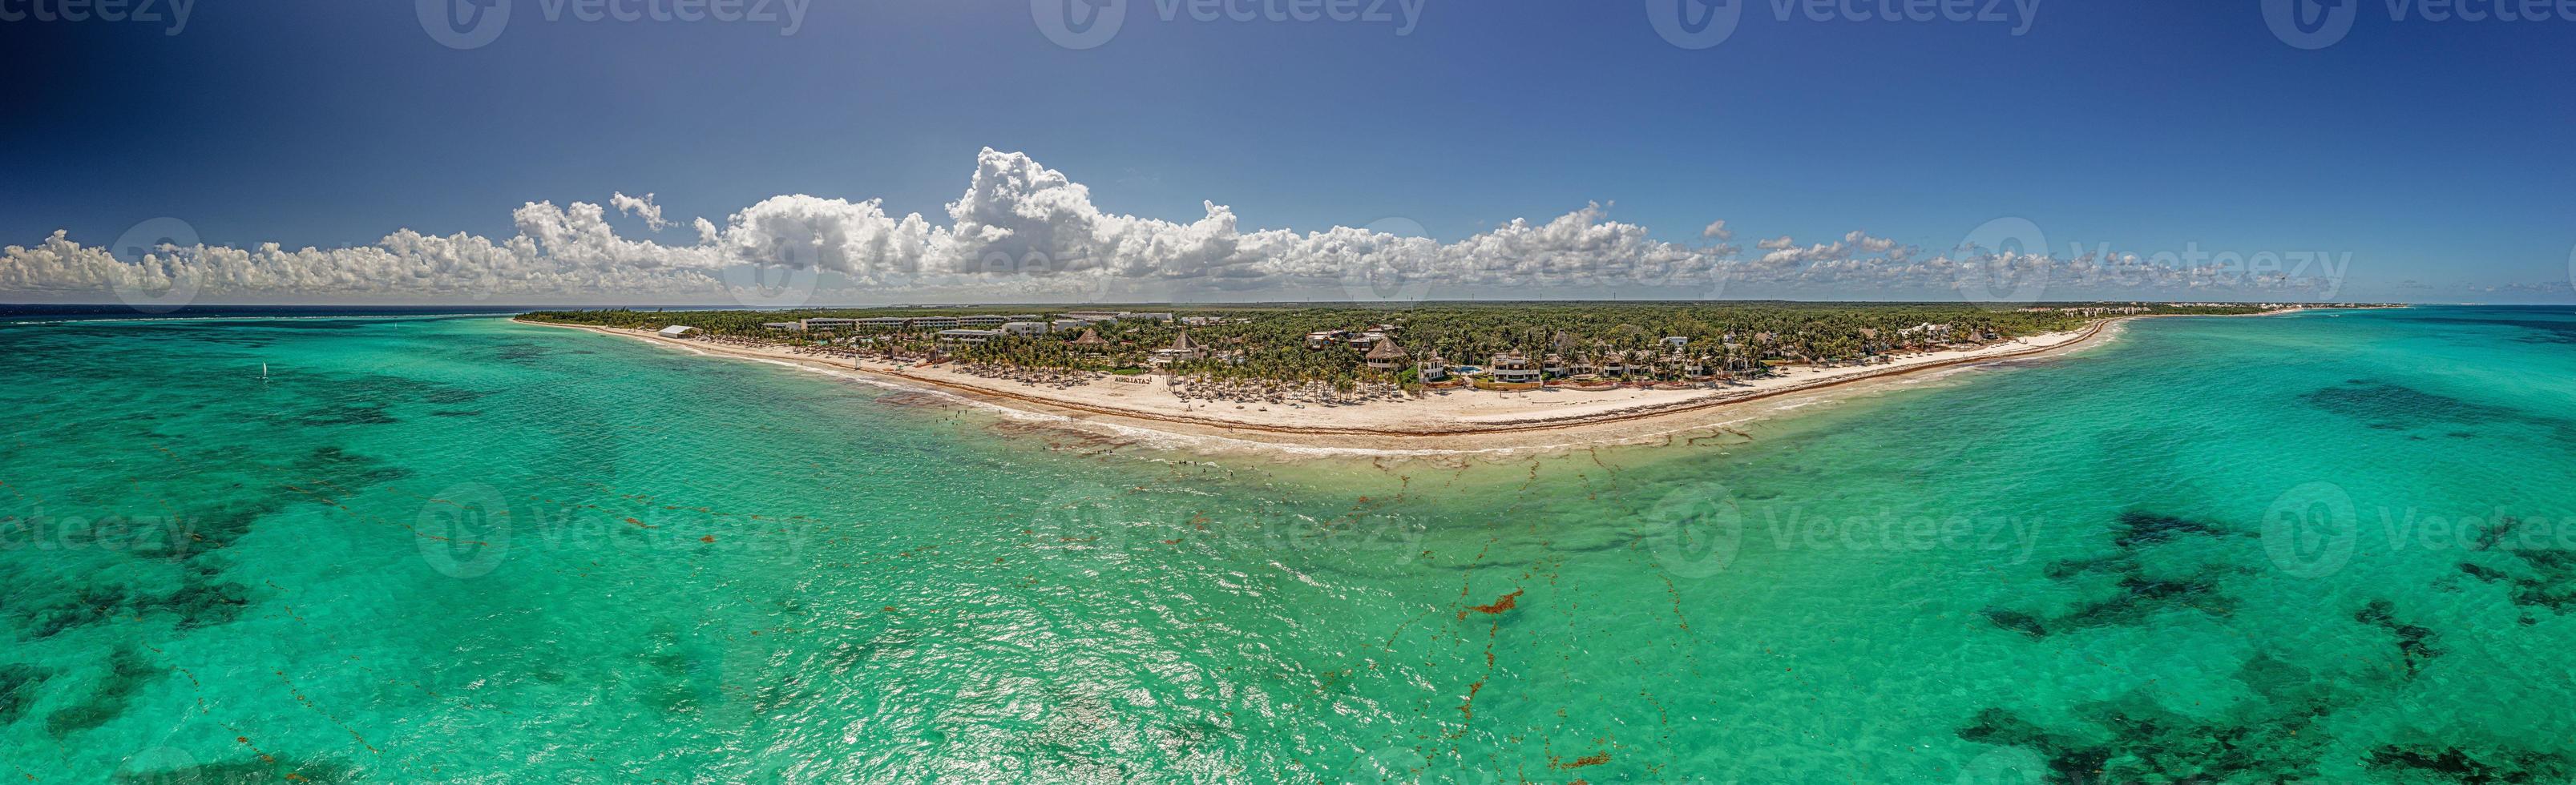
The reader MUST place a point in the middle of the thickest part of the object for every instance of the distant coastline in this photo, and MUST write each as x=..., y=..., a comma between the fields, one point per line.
x=1428, y=421
x=1464, y=420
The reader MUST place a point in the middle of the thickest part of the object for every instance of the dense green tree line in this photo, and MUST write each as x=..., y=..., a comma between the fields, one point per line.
x=1268, y=342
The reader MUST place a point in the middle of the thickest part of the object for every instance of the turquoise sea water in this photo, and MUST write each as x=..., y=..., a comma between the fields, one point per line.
x=2333, y=546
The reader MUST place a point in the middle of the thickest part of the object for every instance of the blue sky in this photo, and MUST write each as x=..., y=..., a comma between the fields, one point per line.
x=2431, y=152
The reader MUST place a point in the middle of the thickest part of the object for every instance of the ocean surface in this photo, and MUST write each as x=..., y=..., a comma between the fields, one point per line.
x=2334, y=546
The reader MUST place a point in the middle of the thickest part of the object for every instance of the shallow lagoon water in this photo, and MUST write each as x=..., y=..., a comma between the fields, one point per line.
x=2330, y=546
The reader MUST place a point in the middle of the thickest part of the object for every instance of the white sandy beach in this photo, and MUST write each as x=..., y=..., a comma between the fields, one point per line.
x=1442, y=421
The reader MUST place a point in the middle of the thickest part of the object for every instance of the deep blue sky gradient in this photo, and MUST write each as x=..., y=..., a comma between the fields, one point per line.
x=2437, y=153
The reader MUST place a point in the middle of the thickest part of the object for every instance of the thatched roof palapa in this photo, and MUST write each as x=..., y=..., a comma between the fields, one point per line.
x=1385, y=350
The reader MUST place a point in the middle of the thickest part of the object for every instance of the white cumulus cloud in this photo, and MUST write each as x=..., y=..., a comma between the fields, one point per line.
x=1019, y=230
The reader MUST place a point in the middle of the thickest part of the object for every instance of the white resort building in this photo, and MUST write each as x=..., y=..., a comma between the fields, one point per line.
x=1514, y=368
x=968, y=336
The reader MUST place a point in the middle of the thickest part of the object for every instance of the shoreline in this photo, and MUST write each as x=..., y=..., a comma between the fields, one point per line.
x=1434, y=425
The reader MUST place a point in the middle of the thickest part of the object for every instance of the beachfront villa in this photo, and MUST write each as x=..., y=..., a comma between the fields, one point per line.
x=1181, y=350
x=676, y=331
x=1513, y=368
x=1552, y=365
x=1434, y=369
x=1385, y=355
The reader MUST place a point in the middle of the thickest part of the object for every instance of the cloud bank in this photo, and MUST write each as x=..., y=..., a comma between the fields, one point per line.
x=1025, y=232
